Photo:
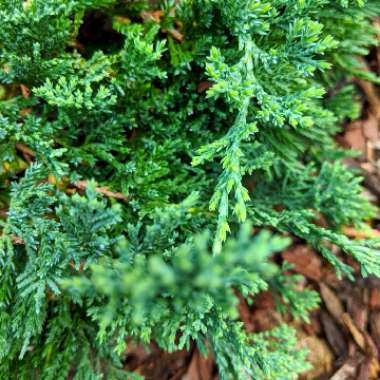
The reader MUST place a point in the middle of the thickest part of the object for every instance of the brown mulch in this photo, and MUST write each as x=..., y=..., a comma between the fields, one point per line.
x=343, y=336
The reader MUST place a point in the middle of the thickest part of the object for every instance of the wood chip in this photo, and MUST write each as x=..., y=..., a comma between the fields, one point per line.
x=320, y=356
x=334, y=335
x=264, y=300
x=25, y=91
x=369, y=369
x=245, y=314
x=176, y=34
x=368, y=233
x=25, y=111
x=152, y=16
x=372, y=96
x=24, y=149
x=156, y=17
x=305, y=261
x=265, y=319
x=353, y=137
x=314, y=327
x=371, y=128
x=355, y=332
x=332, y=302
x=203, y=86
x=17, y=240
x=374, y=327
x=200, y=368
x=357, y=308
x=349, y=369
x=374, y=299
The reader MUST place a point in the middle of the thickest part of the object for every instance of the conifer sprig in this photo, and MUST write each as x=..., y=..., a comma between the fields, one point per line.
x=136, y=138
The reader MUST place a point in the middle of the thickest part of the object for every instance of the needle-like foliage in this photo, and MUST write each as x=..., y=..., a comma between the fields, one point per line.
x=142, y=144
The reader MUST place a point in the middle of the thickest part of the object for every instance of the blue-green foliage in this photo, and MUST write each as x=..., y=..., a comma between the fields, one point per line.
x=128, y=165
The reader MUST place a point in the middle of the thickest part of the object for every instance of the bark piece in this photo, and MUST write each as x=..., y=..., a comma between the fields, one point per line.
x=200, y=368
x=305, y=261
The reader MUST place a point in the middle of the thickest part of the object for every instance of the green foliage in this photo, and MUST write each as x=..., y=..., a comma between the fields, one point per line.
x=134, y=145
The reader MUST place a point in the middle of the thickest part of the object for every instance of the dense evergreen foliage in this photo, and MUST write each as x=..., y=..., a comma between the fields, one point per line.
x=137, y=138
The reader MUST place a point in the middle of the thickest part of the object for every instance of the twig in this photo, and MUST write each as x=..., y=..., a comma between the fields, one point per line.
x=24, y=149
x=371, y=93
x=82, y=185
